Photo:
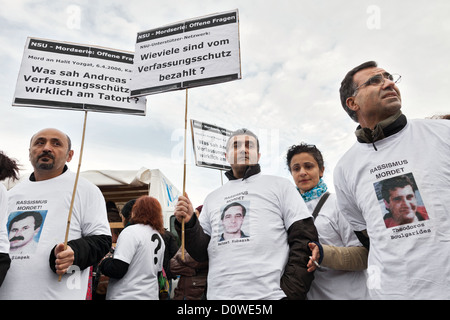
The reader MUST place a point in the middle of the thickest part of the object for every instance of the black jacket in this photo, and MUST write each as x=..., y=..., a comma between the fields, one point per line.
x=5, y=262
x=88, y=251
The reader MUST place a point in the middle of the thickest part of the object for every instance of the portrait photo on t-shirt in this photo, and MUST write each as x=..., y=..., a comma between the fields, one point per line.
x=24, y=230
x=400, y=200
x=234, y=221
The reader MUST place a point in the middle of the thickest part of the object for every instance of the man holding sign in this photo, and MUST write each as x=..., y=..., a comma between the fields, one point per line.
x=48, y=193
x=271, y=261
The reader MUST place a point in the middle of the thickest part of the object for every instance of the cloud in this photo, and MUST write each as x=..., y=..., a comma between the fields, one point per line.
x=294, y=55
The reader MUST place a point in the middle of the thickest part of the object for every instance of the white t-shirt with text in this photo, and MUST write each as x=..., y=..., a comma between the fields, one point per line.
x=410, y=261
x=37, y=221
x=250, y=267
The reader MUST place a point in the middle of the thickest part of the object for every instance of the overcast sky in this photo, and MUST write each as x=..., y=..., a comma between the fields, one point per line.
x=294, y=55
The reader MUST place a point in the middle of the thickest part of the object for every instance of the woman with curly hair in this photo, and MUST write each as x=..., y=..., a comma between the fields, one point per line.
x=342, y=274
x=139, y=254
x=8, y=168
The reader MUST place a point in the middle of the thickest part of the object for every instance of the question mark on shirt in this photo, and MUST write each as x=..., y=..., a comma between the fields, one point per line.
x=156, y=237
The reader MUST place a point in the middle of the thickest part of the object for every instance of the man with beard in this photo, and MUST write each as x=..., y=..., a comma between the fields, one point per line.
x=49, y=189
x=272, y=262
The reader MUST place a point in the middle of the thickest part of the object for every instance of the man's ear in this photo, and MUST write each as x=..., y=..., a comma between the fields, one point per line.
x=69, y=156
x=351, y=103
x=386, y=204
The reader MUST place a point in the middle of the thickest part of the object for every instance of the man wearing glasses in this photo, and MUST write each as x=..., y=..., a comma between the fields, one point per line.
x=410, y=261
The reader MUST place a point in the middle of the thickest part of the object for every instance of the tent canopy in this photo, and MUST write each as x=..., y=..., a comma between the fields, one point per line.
x=121, y=186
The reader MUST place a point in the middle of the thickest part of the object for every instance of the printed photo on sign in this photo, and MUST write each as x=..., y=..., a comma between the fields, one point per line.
x=400, y=201
x=24, y=231
x=234, y=221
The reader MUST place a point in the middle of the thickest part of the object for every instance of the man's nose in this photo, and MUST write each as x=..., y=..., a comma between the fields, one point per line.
x=48, y=147
x=388, y=83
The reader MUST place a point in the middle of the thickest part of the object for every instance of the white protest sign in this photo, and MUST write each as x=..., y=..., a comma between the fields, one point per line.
x=210, y=142
x=187, y=54
x=64, y=75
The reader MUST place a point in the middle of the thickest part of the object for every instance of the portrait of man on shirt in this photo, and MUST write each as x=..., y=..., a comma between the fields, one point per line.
x=232, y=218
x=401, y=202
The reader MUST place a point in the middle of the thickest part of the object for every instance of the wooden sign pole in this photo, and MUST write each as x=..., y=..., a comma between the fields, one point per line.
x=75, y=186
x=184, y=175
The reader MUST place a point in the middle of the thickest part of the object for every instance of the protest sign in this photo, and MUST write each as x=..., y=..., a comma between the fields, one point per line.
x=64, y=75
x=210, y=142
x=187, y=54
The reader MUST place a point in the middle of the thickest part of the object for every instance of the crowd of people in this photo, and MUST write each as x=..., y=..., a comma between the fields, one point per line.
x=383, y=234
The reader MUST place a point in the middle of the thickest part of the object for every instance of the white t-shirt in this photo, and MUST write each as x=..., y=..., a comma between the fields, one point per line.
x=143, y=249
x=251, y=267
x=335, y=230
x=4, y=242
x=411, y=261
x=48, y=202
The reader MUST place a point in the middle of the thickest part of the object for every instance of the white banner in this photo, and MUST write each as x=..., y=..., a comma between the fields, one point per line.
x=64, y=75
x=210, y=144
x=187, y=54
